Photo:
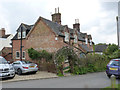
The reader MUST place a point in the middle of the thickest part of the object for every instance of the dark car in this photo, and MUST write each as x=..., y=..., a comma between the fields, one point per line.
x=113, y=68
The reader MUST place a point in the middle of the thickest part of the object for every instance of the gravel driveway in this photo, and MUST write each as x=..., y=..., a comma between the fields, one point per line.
x=38, y=75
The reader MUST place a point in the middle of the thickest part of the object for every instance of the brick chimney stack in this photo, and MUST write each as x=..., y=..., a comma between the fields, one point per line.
x=2, y=32
x=76, y=25
x=56, y=17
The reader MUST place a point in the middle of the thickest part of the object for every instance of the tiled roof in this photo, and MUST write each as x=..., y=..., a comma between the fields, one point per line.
x=85, y=47
x=100, y=48
x=57, y=28
x=6, y=36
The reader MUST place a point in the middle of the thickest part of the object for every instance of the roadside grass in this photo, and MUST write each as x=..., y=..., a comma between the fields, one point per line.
x=117, y=87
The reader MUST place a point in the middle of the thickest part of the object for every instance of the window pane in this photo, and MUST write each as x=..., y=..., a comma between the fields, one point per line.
x=23, y=56
x=17, y=54
x=23, y=34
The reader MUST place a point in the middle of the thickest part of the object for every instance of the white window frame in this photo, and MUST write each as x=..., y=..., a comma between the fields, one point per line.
x=23, y=34
x=75, y=38
x=86, y=41
x=90, y=42
x=16, y=55
x=66, y=37
x=19, y=35
x=22, y=55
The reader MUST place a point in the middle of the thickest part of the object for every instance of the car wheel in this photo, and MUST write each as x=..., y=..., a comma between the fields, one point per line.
x=19, y=71
x=109, y=76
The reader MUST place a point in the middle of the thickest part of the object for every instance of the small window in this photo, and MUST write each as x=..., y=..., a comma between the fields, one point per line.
x=23, y=34
x=86, y=41
x=23, y=55
x=19, y=35
x=66, y=37
x=90, y=42
x=17, y=55
x=75, y=38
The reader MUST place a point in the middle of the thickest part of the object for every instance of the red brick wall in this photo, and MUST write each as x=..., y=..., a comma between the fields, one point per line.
x=16, y=47
x=7, y=53
x=44, y=38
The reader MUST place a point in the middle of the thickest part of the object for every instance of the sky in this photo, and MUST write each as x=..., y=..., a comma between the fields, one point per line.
x=96, y=17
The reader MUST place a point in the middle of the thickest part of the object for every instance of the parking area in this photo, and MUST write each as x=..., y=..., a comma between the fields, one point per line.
x=38, y=75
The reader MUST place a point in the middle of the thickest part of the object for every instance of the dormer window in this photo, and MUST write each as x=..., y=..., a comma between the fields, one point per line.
x=90, y=42
x=75, y=39
x=19, y=35
x=66, y=37
x=86, y=41
x=23, y=34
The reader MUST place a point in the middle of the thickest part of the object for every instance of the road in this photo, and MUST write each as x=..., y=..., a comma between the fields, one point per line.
x=91, y=80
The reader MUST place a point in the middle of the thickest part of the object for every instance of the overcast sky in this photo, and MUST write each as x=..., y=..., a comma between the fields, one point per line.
x=97, y=18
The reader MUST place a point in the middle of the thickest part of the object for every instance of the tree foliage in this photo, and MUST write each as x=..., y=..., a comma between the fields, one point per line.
x=35, y=55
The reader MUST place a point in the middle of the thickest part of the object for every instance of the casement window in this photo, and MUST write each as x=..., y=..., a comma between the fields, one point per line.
x=75, y=39
x=23, y=55
x=66, y=37
x=23, y=34
x=19, y=35
x=86, y=41
x=17, y=55
x=90, y=42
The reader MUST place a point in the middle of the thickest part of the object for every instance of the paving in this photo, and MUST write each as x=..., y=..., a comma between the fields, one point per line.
x=38, y=75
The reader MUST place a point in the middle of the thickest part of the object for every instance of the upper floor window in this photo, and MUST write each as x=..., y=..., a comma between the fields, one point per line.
x=23, y=34
x=90, y=42
x=19, y=35
x=66, y=37
x=75, y=38
x=86, y=41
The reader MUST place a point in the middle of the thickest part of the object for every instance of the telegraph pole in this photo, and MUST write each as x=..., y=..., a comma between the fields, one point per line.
x=21, y=44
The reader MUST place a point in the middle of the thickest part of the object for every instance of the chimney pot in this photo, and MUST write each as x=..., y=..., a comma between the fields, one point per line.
x=2, y=32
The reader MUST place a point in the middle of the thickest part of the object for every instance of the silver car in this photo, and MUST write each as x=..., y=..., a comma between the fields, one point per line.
x=24, y=67
x=6, y=69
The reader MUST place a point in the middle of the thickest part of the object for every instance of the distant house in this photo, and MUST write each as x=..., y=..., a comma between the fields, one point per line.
x=99, y=49
x=50, y=36
x=5, y=39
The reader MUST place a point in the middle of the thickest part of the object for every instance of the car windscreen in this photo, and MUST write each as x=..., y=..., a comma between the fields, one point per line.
x=115, y=62
x=3, y=61
x=26, y=62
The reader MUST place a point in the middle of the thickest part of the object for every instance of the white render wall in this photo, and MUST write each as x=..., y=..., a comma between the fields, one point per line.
x=5, y=42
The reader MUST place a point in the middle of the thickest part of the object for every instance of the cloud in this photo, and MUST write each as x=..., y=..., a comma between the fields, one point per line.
x=96, y=18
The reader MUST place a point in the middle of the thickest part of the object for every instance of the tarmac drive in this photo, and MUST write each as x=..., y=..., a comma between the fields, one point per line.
x=91, y=80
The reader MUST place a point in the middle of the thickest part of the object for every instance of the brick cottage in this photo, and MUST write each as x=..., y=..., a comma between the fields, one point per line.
x=50, y=36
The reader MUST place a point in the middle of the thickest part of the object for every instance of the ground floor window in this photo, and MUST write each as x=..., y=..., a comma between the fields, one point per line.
x=17, y=55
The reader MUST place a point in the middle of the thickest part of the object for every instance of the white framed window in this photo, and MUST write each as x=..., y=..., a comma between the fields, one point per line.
x=17, y=55
x=90, y=42
x=75, y=39
x=66, y=37
x=23, y=34
x=86, y=41
x=56, y=38
x=23, y=55
x=19, y=35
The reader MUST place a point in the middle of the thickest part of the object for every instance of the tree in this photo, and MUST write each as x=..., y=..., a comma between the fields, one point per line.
x=111, y=49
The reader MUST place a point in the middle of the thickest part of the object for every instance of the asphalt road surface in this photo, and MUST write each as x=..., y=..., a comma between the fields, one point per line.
x=92, y=80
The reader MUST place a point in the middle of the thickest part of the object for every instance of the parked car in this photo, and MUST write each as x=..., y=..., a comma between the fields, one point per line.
x=113, y=68
x=6, y=69
x=24, y=67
